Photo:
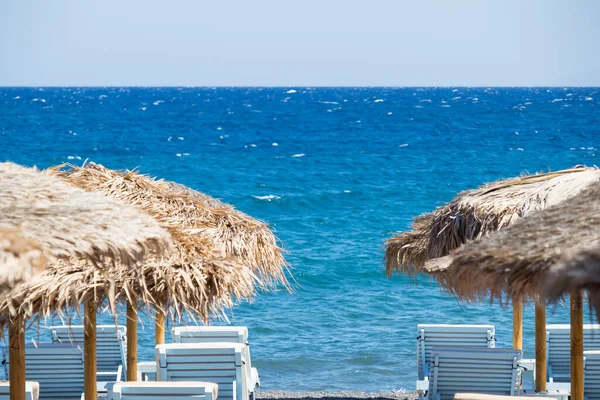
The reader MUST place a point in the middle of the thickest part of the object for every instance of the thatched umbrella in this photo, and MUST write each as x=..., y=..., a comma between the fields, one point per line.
x=221, y=254
x=69, y=227
x=474, y=214
x=20, y=259
x=550, y=254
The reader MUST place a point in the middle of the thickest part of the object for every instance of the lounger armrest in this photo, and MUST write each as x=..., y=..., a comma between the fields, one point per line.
x=112, y=376
x=254, y=380
x=144, y=368
x=423, y=387
x=550, y=374
x=528, y=364
x=234, y=396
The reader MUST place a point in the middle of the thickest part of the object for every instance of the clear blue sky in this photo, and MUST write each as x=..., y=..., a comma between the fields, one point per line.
x=300, y=42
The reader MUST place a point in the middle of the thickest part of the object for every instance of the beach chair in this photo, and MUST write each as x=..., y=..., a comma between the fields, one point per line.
x=473, y=370
x=58, y=368
x=431, y=335
x=221, y=363
x=591, y=383
x=558, y=349
x=214, y=334
x=32, y=390
x=111, y=348
x=164, y=391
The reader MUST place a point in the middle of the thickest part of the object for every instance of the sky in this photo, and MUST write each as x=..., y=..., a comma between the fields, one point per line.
x=300, y=43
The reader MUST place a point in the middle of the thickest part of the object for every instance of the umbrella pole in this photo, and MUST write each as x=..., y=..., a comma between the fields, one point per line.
x=160, y=328
x=16, y=332
x=576, y=346
x=518, y=324
x=131, y=344
x=540, y=348
x=89, y=351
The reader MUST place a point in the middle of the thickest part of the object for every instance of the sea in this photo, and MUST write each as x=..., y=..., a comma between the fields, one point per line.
x=334, y=171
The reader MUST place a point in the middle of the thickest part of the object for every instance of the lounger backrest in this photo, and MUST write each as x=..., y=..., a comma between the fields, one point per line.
x=215, y=334
x=58, y=368
x=221, y=363
x=165, y=391
x=430, y=336
x=558, y=346
x=210, y=334
x=592, y=374
x=111, y=344
x=32, y=390
x=474, y=370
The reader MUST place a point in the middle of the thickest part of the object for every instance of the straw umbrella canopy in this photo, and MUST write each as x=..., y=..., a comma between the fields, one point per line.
x=472, y=215
x=70, y=228
x=551, y=254
x=221, y=257
x=20, y=259
x=555, y=249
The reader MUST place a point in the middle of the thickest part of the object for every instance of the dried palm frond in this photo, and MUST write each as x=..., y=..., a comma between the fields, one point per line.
x=71, y=223
x=20, y=259
x=549, y=253
x=221, y=255
x=473, y=214
x=49, y=221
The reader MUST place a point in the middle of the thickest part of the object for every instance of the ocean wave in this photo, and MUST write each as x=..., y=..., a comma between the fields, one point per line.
x=298, y=155
x=291, y=91
x=269, y=197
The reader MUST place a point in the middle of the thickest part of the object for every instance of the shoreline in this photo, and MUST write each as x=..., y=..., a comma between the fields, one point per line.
x=343, y=395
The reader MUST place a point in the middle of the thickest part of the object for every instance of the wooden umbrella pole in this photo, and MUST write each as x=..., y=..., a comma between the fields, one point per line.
x=576, y=346
x=131, y=344
x=160, y=328
x=89, y=351
x=518, y=324
x=540, y=348
x=16, y=332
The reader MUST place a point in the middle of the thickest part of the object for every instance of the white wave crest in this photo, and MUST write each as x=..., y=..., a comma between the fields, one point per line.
x=267, y=198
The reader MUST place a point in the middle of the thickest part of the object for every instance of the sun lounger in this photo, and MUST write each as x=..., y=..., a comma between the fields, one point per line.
x=214, y=334
x=165, y=391
x=221, y=363
x=473, y=370
x=111, y=347
x=431, y=335
x=32, y=390
x=558, y=348
x=58, y=368
x=591, y=383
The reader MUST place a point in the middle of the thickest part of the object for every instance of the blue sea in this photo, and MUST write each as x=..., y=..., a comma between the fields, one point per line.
x=335, y=171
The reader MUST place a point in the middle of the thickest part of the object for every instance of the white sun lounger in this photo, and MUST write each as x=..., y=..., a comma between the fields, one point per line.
x=474, y=370
x=215, y=334
x=221, y=363
x=591, y=383
x=558, y=349
x=32, y=390
x=111, y=347
x=432, y=335
x=165, y=391
x=58, y=368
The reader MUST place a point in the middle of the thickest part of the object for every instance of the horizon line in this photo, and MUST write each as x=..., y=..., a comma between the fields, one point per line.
x=307, y=86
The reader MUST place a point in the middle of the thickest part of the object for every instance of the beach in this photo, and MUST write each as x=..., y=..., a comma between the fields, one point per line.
x=335, y=172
